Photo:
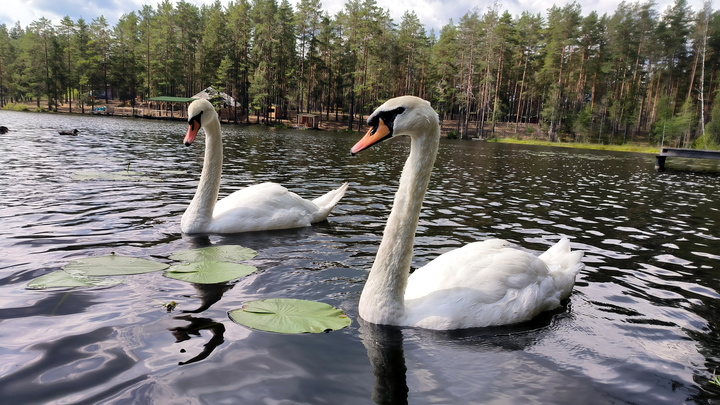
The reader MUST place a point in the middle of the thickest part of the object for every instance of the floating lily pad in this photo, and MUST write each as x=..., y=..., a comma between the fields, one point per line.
x=284, y=315
x=113, y=265
x=208, y=272
x=63, y=279
x=114, y=176
x=222, y=253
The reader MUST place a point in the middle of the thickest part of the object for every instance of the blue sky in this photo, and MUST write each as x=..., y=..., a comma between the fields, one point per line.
x=433, y=13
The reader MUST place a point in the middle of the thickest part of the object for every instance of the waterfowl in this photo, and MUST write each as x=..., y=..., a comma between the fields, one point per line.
x=66, y=132
x=3, y=129
x=492, y=282
x=261, y=207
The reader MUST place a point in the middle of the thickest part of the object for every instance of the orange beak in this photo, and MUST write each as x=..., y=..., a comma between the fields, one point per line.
x=373, y=136
x=192, y=132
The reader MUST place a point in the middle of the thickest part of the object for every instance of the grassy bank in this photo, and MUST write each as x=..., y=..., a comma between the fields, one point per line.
x=619, y=148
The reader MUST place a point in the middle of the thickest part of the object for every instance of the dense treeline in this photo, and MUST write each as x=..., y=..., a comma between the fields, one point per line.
x=636, y=74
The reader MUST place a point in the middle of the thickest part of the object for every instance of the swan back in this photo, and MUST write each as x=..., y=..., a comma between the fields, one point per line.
x=493, y=282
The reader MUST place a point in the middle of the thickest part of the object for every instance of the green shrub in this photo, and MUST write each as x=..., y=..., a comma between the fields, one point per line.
x=16, y=107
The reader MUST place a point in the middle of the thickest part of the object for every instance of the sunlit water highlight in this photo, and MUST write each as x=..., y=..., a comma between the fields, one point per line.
x=640, y=327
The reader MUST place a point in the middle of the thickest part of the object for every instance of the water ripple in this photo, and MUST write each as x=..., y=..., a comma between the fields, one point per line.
x=639, y=327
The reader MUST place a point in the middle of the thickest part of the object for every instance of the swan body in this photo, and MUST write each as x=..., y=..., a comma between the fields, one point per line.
x=487, y=283
x=261, y=207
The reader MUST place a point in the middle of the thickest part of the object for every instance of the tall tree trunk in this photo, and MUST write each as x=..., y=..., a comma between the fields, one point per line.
x=518, y=116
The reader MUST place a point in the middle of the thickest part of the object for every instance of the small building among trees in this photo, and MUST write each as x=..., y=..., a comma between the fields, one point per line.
x=309, y=121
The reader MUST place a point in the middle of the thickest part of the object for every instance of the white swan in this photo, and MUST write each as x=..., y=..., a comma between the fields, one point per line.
x=260, y=207
x=481, y=284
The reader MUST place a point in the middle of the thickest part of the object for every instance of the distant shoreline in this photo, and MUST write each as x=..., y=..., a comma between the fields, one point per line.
x=341, y=127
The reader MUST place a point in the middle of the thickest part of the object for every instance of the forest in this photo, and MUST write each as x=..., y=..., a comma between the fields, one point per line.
x=638, y=75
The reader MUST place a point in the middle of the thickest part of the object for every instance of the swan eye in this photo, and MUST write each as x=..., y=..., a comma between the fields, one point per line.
x=195, y=118
x=385, y=118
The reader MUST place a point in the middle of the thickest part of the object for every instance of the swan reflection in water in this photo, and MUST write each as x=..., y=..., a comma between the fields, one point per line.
x=385, y=346
x=208, y=294
x=183, y=333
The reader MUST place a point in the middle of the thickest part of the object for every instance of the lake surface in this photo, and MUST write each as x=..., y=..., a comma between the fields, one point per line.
x=641, y=325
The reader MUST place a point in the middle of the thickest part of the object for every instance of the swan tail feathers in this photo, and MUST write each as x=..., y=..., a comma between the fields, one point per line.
x=564, y=265
x=328, y=201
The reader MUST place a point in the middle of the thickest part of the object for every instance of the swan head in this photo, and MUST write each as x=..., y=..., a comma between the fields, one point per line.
x=405, y=115
x=200, y=112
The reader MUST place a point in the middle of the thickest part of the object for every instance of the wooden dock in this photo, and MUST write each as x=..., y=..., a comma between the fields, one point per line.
x=683, y=153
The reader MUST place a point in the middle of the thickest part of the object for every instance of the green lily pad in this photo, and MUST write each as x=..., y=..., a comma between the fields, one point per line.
x=63, y=279
x=207, y=272
x=285, y=315
x=222, y=253
x=112, y=265
x=124, y=175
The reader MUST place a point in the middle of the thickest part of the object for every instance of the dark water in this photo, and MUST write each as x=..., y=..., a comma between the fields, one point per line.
x=641, y=325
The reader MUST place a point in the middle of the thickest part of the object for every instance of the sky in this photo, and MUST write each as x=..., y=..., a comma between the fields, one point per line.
x=434, y=14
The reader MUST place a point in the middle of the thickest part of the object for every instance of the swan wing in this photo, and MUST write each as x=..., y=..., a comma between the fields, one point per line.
x=564, y=265
x=327, y=202
x=481, y=284
x=264, y=206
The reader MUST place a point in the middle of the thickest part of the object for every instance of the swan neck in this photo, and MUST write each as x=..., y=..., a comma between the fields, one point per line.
x=199, y=214
x=382, y=297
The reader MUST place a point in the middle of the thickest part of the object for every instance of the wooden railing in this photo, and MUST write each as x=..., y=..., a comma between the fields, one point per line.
x=683, y=153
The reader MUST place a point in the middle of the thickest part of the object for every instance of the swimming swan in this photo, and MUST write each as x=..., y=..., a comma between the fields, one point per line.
x=481, y=284
x=260, y=207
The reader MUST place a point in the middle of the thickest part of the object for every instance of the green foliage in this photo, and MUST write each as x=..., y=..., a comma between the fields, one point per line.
x=16, y=107
x=628, y=147
x=711, y=139
x=673, y=129
x=593, y=78
x=715, y=380
x=583, y=124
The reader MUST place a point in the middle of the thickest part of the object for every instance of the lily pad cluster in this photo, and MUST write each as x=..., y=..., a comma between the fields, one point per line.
x=208, y=265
